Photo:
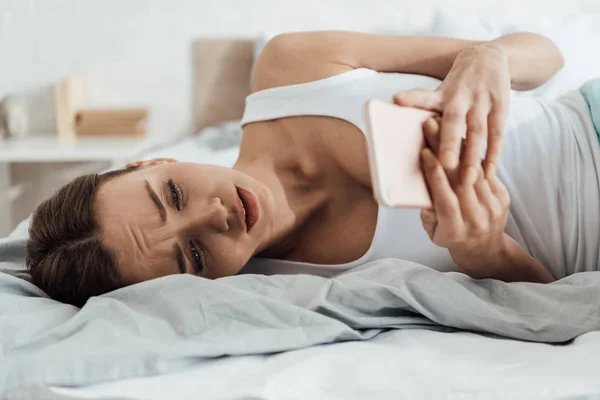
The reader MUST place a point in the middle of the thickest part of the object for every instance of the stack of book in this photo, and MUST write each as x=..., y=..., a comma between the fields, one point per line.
x=111, y=122
x=74, y=118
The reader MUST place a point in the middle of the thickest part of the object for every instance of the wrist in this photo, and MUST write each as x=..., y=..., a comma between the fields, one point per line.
x=498, y=49
x=506, y=54
x=496, y=52
x=517, y=265
x=486, y=262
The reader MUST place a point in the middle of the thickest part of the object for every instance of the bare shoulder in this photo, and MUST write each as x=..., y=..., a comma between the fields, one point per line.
x=294, y=58
x=297, y=58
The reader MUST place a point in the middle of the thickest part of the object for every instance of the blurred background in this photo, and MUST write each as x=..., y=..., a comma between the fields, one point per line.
x=137, y=54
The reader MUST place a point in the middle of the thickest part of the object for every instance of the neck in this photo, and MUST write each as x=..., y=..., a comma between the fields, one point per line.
x=296, y=197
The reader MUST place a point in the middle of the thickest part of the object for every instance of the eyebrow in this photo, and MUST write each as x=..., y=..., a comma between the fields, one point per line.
x=163, y=217
x=156, y=200
x=180, y=258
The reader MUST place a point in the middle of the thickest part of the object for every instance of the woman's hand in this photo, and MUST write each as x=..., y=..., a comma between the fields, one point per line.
x=469, y=220
x=468, y=217
x=473, y=100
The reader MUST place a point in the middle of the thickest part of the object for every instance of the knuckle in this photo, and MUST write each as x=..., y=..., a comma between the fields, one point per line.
x=480, y=94
x=462, y=89
x=496, y=133
x=497, y=96
x=475, y=128
x=462, y=189
x=448, y=146
x=455, y=236
x=449, y=207
x=502, y=194
x=496, y=211
x=479, y=226
x=453, y=113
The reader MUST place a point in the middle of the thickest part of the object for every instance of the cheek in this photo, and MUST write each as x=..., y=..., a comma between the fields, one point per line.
x=227, y=257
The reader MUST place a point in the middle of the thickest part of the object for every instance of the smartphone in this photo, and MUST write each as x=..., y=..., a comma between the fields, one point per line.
x=395, y=139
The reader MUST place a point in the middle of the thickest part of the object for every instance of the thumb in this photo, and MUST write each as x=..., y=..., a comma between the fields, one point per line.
x=420, y=98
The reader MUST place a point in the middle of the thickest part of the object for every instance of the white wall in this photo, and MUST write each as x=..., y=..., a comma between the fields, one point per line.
x=137, y=52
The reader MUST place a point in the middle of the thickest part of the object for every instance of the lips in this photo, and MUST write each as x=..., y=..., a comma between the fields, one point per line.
x=249, y=208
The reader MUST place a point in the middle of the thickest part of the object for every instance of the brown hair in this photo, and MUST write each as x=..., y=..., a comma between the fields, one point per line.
x=65, y=253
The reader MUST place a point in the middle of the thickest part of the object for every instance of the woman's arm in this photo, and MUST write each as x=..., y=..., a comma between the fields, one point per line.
x=306, y=56
x=516, y=265
x=532, y=59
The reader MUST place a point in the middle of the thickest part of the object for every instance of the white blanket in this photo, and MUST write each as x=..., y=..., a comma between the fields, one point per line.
x=404, y=364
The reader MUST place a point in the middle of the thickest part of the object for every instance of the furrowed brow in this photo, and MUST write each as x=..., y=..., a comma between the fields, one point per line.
x=157, y=202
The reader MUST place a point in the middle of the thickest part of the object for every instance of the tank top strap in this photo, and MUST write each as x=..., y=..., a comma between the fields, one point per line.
x=317, y=98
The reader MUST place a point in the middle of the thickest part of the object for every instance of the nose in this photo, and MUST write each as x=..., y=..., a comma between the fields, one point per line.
x=211, y=216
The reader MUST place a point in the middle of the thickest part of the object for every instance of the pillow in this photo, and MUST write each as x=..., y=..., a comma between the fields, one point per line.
x=13, y=251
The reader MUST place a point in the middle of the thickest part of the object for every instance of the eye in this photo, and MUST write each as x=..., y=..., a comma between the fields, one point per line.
x=198, y=258
x=176, y=194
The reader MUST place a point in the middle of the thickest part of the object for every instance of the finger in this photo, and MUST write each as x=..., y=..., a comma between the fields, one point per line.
x=496, y=120
x=420, y=98
x=455, y=177
x=476, y=138
x=498, y=188
x=485, y=195
x=495, y=208
x=470, y=206
x=480, y=172
x=431, y=129
x=429, y=221
x=444, y=199
x=452, y=131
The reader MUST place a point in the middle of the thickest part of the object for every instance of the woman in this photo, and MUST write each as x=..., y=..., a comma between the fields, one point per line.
x=299, y=198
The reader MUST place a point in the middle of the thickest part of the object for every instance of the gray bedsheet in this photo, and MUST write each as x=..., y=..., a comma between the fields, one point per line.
x=170, y=323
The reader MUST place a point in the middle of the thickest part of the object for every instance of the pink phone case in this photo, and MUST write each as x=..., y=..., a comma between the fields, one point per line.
x=395, y=140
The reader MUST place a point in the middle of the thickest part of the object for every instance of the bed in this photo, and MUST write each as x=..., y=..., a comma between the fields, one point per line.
x=393, y=363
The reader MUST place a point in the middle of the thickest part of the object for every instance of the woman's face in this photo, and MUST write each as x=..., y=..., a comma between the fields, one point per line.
x=183, y=218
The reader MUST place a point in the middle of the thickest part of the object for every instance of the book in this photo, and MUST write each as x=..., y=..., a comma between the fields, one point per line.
x=70, y=95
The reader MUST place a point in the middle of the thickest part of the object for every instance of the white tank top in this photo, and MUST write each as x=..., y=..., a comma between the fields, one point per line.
x=549, y=165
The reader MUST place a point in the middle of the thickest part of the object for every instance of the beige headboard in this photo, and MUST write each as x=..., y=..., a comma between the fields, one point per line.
x=222, y=78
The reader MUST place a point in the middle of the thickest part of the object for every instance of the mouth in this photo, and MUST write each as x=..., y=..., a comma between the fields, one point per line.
x=247, y=208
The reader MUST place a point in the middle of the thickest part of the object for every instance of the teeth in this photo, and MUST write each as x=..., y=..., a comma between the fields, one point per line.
x=244, y=209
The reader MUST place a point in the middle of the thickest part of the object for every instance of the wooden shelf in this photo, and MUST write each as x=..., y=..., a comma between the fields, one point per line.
x=53, y=149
